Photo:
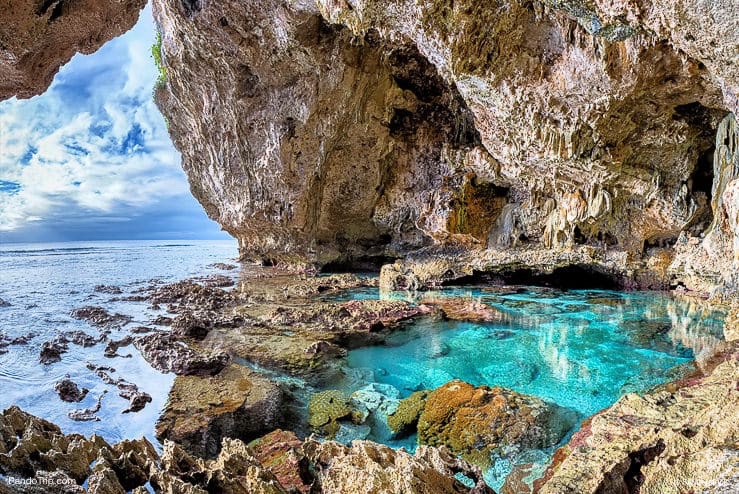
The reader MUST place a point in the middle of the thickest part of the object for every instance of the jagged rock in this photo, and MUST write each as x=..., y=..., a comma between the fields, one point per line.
x=405, y=418
x=97, y=316
x=69, y=391
x=39, y=37
x=678, y=439
x=88, y=414
x=464, y=309
x=543, y=123
x=237, y=403
x=280, y=453
x=51, y=351
x=188, y=293
x=168, y=354
x=223, y=266
x=111, y=349
x=475, y=421
x=370, y=467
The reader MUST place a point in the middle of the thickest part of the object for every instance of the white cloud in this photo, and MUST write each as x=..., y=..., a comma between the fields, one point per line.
x=93, y=144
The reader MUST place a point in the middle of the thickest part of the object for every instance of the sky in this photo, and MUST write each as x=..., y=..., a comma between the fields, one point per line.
x=90, y=159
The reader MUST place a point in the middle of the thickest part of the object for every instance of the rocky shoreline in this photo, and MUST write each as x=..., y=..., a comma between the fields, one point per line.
x=228, y=415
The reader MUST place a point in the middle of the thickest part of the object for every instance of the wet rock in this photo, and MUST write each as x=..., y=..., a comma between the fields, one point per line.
x=162, y=321
x=69, y=391
x=237, y=403
x=4, y=303
x=88, y=414
x=190, y=294
x=18, y=340
x=326, y=408
x=126, y=389
x=80, y=338
x=111, y=349
x=371, y=467
x=274, y=286
x=137, y=398
x=474, y=421
x=215, y=281
x=465, y=309
x=681, y=438
x=191, y=325
x=405, y=418
x=111, y=289
x=223, y=266
x=101, y=318
x=167, y=353
x=51, y=351
x=141, y=330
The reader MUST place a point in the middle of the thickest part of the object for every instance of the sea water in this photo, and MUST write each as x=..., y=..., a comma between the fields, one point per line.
x=43, y=283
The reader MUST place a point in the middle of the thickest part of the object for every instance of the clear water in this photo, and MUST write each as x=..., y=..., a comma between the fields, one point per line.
x=581, y=349
x=44, y=282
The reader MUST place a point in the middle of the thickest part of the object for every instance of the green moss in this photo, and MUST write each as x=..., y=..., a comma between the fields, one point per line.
x=156, y=53
x=405, y=418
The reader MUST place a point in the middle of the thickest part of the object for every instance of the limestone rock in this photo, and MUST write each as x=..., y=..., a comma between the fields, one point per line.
x=38, y=37
x=237, y=403
x=370, y=467
x=476, y=421
x=167, y=353
x=679, y=439
x=392, y=126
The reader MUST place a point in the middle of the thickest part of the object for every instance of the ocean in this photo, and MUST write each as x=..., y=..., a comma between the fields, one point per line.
x=41, y=284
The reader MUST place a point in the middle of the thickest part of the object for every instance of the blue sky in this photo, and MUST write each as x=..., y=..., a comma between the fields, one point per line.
x=91, y=159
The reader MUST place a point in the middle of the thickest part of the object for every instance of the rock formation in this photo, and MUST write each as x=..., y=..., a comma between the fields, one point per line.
x=37, y=451
x=39, y=36
x=332, y=131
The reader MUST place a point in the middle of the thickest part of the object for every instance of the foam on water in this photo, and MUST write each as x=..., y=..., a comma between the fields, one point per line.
x=45, y=282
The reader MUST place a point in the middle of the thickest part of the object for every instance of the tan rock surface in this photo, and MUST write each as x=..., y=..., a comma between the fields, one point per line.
x=682, y=439
x=39, y=36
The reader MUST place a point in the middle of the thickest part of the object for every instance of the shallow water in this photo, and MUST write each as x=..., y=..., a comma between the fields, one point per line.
x=581, y=349
x=44, y=282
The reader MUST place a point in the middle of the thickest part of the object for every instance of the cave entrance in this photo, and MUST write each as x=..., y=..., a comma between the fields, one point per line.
x=573, y=277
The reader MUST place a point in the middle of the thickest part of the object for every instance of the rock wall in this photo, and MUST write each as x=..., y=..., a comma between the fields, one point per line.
x=39, y=36
x=331, y=131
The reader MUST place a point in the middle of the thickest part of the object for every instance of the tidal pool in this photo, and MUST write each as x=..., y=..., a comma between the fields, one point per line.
x=580, y=349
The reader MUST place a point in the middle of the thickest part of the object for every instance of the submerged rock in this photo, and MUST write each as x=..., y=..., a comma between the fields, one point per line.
x=237, y=403
x=476, y=421
x=88, y=414
x=51, y=351
x=326, y=408
x=405, y=419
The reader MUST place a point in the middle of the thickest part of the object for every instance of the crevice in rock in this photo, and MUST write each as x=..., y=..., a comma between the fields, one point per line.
x=576, y=276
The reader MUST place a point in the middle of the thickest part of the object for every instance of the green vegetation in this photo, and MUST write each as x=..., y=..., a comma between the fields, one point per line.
x=156, y=52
